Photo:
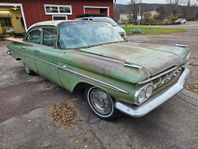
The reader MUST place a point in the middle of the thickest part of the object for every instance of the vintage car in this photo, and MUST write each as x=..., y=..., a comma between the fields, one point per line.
x=117, y=75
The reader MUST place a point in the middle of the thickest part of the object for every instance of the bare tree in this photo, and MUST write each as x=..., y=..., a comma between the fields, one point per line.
x=133, y=9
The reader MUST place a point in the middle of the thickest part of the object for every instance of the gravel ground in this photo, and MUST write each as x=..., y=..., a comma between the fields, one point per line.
x=26, y=113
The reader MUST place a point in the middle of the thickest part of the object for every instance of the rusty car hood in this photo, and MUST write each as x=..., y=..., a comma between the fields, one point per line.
x=154, y=58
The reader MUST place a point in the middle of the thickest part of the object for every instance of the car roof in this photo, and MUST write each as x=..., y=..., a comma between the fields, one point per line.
x=54, y=23
x=51, y=23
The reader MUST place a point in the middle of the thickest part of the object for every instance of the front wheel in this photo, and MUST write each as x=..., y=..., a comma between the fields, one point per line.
x=101, y=103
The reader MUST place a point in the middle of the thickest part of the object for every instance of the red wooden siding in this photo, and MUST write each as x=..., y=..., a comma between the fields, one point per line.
x=92, y=11
x=34, y=9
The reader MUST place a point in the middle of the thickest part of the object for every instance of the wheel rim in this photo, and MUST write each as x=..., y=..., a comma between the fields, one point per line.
x=100, y=102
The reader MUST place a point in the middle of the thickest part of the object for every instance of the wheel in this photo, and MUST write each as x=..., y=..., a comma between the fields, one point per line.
x=101, y=103
x=28, y=70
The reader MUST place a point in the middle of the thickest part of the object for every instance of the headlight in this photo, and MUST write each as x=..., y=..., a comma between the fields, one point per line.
x=149, y=91
x=143, y=94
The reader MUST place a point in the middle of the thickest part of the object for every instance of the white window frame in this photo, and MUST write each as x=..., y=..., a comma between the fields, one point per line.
x=66, y=17
x=102, y=7
x=54, y=13
x=21, y=8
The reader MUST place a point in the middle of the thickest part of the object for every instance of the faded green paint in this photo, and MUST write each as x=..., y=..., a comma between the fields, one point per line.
x=104, y=63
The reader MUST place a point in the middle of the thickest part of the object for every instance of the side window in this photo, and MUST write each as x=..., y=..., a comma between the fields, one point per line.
x=49, y=36
x=34, y=37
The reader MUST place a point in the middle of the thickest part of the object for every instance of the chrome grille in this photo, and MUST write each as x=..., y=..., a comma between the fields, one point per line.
x=158, y=82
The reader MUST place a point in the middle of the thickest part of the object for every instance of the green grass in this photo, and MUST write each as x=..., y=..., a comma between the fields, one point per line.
x=152, y=30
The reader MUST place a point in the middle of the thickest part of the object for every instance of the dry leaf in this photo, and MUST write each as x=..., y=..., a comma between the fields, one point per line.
x=64, y=114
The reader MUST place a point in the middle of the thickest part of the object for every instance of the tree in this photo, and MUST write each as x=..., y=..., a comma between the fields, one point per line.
x=133, y=9
x=161, y=11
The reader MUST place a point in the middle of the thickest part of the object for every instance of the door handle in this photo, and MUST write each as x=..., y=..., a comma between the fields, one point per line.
x=37, y=51
x=64, y=66
x=23, y=48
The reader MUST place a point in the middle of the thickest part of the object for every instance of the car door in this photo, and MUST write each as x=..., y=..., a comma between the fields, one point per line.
x=47, y=56
x=33, y=38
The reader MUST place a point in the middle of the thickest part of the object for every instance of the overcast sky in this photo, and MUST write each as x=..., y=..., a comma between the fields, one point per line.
x=155, y=1
x=145, y=1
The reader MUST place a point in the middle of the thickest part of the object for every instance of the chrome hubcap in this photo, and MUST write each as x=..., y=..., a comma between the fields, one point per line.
x=100, y=101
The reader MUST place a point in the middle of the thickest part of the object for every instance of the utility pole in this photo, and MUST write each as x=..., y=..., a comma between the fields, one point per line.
x=139, y=17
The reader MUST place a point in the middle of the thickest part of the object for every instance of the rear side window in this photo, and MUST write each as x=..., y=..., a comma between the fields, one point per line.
x=49, y=36
x=34, y=36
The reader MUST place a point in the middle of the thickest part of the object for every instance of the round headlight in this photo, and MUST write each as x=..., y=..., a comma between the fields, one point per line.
x=149, y=91
x=141, y=96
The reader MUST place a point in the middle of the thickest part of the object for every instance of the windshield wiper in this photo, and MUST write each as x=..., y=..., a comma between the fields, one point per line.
x=100, y=44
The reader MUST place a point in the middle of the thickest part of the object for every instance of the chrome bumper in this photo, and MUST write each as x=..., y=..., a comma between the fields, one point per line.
x=156, y=101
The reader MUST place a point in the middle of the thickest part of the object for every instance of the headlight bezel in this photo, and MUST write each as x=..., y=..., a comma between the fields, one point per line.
x=139, y=101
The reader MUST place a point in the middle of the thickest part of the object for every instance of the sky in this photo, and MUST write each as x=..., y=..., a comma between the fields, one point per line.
x=184, y=2
x=144, y=1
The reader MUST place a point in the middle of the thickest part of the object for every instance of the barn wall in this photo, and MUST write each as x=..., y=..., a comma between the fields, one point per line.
x=34, y=9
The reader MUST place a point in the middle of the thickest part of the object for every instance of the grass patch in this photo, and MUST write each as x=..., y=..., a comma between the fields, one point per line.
x=152, y=30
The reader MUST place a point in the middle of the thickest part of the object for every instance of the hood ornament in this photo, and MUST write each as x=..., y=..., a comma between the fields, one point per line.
x=133, y=65
x=181, y=45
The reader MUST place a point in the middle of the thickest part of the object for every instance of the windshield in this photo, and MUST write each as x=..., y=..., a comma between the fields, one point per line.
x=86, y=34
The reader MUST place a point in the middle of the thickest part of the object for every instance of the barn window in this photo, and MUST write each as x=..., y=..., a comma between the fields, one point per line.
x=51, y=9
x=58, y=9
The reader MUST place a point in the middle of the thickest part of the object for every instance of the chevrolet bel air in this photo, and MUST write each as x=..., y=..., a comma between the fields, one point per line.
x=117, y=75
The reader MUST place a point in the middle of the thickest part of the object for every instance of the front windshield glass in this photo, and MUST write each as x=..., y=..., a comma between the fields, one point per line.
x=86, y=34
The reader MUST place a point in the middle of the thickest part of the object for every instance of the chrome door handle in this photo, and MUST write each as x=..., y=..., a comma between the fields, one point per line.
x=64, y=66
x=37, y=51
x=23, y=48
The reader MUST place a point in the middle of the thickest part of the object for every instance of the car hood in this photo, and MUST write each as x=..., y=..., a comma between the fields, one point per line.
x=153, y=58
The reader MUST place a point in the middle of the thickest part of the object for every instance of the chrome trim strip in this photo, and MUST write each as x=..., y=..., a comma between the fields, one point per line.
x=157, y=76
x=104, y=84
x=156, y=101
x=133, y=65
x=94, y=80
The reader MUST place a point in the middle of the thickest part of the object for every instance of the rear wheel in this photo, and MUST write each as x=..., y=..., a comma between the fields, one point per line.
x=101, y=103
x=28, y=70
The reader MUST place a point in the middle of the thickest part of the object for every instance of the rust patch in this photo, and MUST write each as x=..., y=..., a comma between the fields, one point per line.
x=64, y=114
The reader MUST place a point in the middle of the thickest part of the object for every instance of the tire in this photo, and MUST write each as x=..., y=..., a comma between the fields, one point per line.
x=28, y=70
x=102, y=104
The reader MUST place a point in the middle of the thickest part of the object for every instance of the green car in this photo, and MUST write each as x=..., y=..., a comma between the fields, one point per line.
x=117, y=75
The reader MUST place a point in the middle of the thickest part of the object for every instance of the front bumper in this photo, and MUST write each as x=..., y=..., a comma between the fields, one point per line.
x=156, y=101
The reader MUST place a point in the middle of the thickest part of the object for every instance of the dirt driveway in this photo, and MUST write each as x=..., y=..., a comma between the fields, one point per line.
x=26, y=122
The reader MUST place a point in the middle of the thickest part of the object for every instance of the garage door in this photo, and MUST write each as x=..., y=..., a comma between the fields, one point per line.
x=11, y=19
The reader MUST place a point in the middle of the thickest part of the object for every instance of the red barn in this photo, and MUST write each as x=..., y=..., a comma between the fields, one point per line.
x=18, y=15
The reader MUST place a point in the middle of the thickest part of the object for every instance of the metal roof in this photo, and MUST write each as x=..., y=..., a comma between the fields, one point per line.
x=52, y=23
